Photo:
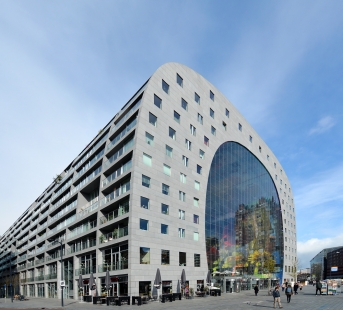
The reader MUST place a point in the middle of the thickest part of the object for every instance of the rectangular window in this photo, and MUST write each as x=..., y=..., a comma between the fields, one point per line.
x=206, y=141
x=199, y=169
x=182, y=196
x=224, y=126
x=149, y=138
x=182, y=258
x=165, y=258
x=250, y=138
x=164, y=229
x=196, y=260
x=239, y=127
x=169, y=151
x=195, y=202
x=177, y=117
x=145, y=181
x=196, y=98
x=227, y=113
x=211, y=113
x=188, y=144
x=147, y=160
x=145, y=202
x=143, y=224
x=184, y=104
x=157, y=102
x=267, y=157
x=179, y=80
x=193, y=130
x=200, y=119
x=183, y=178
x=166, y=170
x=181, y=233
x=260, y=149
x=185, y=160
x=197, y=185
x=144, y=255
x=213, y=131
x=182, y=214
x=195, y=219
x=211, y=95
x=152, y=119
x=201, y=154
x=172, y=133
x=165, y=189
x=196, y=236
x=164, y=209
x=165, y=86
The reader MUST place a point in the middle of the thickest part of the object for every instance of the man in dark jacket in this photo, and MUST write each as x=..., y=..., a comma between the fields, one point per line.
x=276, y=295
x=295, y=288
x=318, y=287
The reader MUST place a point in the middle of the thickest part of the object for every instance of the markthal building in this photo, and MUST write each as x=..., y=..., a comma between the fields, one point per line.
x=177, y=181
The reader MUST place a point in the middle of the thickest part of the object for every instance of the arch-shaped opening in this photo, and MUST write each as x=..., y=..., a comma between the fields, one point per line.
x=243, y=225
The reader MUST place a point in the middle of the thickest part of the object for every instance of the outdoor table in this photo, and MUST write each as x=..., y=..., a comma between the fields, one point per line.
x=215, y=292
x=99, y=300
x=139, y=300
x=123, y=298
x=168, y=297
x=87, y=298
x=176, y=295
x=112, y=300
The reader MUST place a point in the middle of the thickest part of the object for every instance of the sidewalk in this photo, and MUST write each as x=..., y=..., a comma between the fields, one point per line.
x=306, y=299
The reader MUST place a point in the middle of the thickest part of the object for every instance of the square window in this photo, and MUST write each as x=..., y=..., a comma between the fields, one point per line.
x=165, y=257
x=149, y=138
x=144, y=255
x=196, y=236
x=224, y=126
x=177, y=117
x=179, y=80
x=165, y=189
x=188, y=144
x=213, y=131
x=195, y=219
x=206, y=141
x=197, y=185
x=172, y=133
x=195, y=202
x=169, y=151
x=143, y=224
x=152, y=119
x=157, y=101
x=164, y=209
x=183, y=178
x=147, y=160
x=211, y=95
x=239, y=127
x=199, y=169
x=165, y=86
x=164, y=229
x=185, y=160
x=166, y=170
x=227, y=113
x=200, y=119
x=196, y=260
x=145, y=181
x=145, y=202
x=184, y=104
x=182, y=259
x=182, y=214
x=196, y=98
x=211, y=113
x=201, y=154
x=260, y=149
x=182, y=196
x=193, y=130
x=250, y=138
x=181, y=233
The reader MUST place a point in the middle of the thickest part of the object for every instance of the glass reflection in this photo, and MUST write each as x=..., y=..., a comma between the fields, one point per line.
x=243, y=216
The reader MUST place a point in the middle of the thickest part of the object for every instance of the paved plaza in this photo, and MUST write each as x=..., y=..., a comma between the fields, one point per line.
x=306, y=299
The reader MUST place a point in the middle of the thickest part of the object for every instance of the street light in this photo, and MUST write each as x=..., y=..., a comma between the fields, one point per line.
x=60, y=242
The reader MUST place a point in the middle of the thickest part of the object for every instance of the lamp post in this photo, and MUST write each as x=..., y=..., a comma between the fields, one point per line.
x=60, y=242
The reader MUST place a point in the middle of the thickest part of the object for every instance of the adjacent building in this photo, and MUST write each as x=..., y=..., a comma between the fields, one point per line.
x=328, y=264
x=178, y=179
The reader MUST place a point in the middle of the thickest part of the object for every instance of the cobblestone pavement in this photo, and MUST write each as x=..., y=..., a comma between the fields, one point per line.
x=306, y=299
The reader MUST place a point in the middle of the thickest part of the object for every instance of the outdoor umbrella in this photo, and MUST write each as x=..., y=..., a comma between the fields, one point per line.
x=158, y=281
x=183, y=279
x=208, y=278
x=80, y=283
x=92, y=283
x=107, y=281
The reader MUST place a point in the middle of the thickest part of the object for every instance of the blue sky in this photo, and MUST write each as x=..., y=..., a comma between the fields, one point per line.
x=67, y=67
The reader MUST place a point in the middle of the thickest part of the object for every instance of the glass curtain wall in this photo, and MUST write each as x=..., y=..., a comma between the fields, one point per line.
x=243, y=216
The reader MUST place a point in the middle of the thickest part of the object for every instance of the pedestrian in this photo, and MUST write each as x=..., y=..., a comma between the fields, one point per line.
x=283, y=286
x=277, y=298
x=256, y=289
x=318, y=287
x=295, y=287
x=289, y=292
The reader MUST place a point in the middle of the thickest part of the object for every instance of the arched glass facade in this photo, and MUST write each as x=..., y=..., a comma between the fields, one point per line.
x=243, y=216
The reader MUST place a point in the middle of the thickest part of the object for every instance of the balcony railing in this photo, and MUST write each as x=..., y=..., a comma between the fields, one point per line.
x=81, y=229
x=41, y=237
x=117, y=233
x=30, y=264
x=89, y=164
x=40, y=278
x=86, y=270
x=88, y=208
x=117, y=173
x=63, y=188
x=65, y=223
x=114, y=214
x=39, y=261
x=123, y=264
x=51, y=276
x=81, y=246
x=86, y=180
x=122, y=134
x=31, y=279
x=21, y=267
x=118, y=192
x=119, y=153
x=63, y=211
x=21, y=258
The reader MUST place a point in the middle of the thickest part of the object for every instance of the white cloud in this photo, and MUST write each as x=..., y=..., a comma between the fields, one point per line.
x=324, y=124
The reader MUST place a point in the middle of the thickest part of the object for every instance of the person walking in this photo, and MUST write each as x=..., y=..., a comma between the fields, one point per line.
x=256, y=289
x=289, y=292
x=295, y=288
x=318, y=287
x=283, y=286
x=277, y=298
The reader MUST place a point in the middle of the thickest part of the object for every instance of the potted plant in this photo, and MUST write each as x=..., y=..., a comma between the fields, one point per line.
x=191, y=292
x=206, y=290
x=102, y=238
x=115, y=233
